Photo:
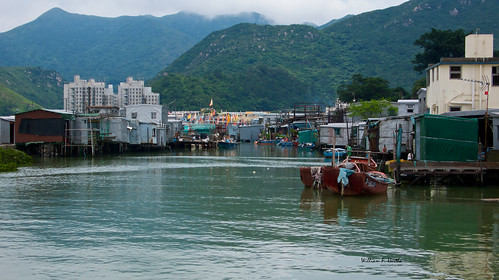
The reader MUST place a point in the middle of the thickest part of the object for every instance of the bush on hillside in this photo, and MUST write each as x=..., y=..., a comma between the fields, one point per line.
x=11, y=159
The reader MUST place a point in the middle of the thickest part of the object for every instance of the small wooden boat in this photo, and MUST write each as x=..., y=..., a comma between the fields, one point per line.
x=285, y=143
x=354, y=176
x=306, y=146
x=226, y=144
x=337, y=152
x=266, y=142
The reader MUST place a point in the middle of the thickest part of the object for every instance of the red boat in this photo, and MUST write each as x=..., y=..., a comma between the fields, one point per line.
x=360, y=173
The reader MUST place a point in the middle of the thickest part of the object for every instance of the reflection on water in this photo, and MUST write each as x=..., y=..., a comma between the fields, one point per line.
x=355, y=207
x=230, y=214
x=453, y=229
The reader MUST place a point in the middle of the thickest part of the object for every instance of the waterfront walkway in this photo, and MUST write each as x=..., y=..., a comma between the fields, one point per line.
x=441, y=171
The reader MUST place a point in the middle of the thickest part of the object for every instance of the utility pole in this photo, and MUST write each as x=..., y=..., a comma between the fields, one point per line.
x=485, y=87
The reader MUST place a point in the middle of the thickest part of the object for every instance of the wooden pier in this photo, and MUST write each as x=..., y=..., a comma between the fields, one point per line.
x=447, y=172
x=198, y=144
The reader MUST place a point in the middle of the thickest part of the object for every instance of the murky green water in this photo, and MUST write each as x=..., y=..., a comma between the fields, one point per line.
x=234, y=214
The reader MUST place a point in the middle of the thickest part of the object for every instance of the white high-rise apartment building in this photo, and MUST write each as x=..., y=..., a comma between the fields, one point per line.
x=81, y=94
x=134, y=92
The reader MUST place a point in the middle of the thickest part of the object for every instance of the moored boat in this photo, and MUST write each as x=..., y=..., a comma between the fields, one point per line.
x=354, y=176
x=226, y=144
x=285, y=143
x=266, y=142
x=306, y=146
x=337, y=152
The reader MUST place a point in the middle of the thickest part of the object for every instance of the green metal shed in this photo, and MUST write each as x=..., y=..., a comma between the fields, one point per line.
x=308, y=136
x=443, y=138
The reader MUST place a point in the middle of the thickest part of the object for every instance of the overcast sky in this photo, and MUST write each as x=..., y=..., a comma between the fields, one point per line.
x=18, y=12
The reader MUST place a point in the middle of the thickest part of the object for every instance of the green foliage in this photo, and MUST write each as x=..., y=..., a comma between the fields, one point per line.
x=380, y=42
x=393, y=111
x=367, y=88
x=256, y=88
x=271, y=59
x=28, y=88
x=12, y=103
x=419, y=84
x=400, y=93
x=437, y=44
x=372, y=109
x=11, y=159
x=375, y=44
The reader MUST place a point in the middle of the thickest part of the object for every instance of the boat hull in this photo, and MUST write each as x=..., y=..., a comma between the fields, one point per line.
x=266, y=142
x=360, y=183
x=226, y=145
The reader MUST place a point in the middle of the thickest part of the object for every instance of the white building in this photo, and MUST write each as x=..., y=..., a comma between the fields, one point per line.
x=81, y=94
x=147, y=113
x=460, y=84
x=7, y=129
x=407, y=107
x=334, y=134
x=134, y=92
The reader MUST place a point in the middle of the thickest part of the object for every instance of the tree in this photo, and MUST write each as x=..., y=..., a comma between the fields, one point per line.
x=372, y=109
x=366, y=88
x=437, y=44
x=419, y=84
x=400, y=93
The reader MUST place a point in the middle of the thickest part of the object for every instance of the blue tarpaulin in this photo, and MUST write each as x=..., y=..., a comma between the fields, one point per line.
x=343, y=176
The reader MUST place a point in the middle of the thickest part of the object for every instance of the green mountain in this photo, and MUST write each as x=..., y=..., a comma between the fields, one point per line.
x=12, y=102
x=245, y=66
x=26, y=88
x=381, y=42
x=108, y=49
x=377, y=43
x=261, y=67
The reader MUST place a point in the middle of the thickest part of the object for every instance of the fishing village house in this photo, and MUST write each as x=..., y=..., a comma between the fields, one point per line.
x=7, y=130
x=42, y=131
x=467, y=84
x=462, y=83
x=147, y=124
x=96, y=119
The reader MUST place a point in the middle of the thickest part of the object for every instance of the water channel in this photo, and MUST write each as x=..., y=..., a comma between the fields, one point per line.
x=234, y=214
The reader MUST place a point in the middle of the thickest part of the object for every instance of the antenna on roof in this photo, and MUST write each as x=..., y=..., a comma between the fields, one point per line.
x=476, y=31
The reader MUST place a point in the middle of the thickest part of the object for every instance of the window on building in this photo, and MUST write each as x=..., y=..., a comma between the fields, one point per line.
x=410, y=108
x=434, y=109
x=354, y=131
x=455, y=72
x=134, y=115
x=495, y=75
x=455, y=108
x=153, y=115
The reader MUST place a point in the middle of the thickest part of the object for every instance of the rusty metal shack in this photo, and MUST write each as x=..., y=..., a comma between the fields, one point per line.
x=42, y=131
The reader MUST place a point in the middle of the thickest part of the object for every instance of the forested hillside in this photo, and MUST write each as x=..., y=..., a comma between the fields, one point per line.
x=245, y=66
x=25, y=88
x=108, y=49
x=270, y=67
x=381, y=43
x=378, y=43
